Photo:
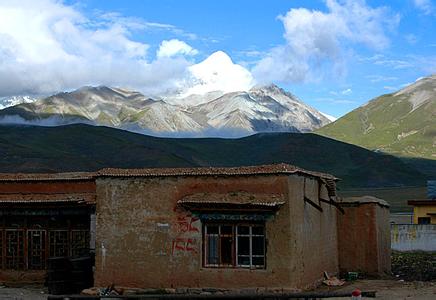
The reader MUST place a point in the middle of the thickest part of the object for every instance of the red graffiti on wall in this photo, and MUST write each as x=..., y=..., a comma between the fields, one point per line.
x=186, y=224
x=183, y=244
x=185, y=227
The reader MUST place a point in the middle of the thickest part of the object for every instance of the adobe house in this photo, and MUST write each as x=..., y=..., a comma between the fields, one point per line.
x=262, y=226
x=274, y=226
x=42, y=216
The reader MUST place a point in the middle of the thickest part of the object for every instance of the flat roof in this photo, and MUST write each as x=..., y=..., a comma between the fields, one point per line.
x=422, y=202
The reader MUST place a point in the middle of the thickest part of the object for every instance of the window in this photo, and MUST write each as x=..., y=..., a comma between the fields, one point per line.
x=234, y=245
x=423, y=220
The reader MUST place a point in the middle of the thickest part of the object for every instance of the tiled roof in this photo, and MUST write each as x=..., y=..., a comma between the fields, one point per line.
x=233, y=197
x=47, y=198
x=47, y=176
x=213, y=171
x=158, y=172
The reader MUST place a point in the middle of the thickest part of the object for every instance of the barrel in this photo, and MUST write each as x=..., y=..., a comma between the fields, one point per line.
x=59, y=276
x=82, y=272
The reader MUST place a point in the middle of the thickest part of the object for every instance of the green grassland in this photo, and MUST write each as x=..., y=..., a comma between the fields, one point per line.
x=396, y=196
x=87, y=148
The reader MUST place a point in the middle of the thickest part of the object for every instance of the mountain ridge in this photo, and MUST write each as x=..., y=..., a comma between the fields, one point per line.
x=261, y=109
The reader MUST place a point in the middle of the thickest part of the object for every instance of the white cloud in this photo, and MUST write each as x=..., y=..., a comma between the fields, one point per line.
x=425, y=6
x=380, y=78
x=335, y=101
x=175, y=47
x=317, y=42
x=46, y=46
x=346, y=92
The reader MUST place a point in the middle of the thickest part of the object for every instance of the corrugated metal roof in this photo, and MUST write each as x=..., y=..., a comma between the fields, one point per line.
x=213, y=171
x=47, y=198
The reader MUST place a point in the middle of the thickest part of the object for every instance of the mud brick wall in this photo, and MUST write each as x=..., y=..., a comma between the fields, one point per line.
x=138, y=225
x=364, y=236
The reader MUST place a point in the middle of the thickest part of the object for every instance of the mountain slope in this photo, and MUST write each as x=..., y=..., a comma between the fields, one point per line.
x=261, y=109
x=402, y=123
x=106, y=106
x=85, y=148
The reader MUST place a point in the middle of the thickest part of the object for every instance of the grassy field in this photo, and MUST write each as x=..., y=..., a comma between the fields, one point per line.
x=397, y=197
x=88, y=148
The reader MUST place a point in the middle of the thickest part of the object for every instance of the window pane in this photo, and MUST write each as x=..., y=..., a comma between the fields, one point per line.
x=258, y=245
x=257, y=230
x=212, y=250
x=243, y=245
x=243, y=230
x=424, y=220
x=226, y=250
x=226, y=229
x=258, y=261
x=243, y=260
x=212, y=229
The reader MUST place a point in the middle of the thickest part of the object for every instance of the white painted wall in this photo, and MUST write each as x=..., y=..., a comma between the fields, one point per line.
x=410, y=237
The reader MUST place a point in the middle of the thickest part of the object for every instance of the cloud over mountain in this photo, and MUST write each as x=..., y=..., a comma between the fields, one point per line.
x=175, y=47
x=47, y=46
x=316, y=41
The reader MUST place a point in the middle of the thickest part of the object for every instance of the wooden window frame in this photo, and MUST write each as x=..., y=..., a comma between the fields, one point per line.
x=235, y=247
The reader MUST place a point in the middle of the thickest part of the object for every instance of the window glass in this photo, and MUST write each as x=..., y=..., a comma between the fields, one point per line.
x=243, y=260
x=211, y=229
x=257, y=230
x=258, y=261
x=243, y=245
x=212, y=250
x=243, y=229
x=226, y=250
x=424, y=220
x=258, y=245
x=234, y=245
x=225, y=229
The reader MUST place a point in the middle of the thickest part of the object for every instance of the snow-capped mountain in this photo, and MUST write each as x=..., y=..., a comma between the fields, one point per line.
x=261, y=109
x=15, y=100
x=217, y=73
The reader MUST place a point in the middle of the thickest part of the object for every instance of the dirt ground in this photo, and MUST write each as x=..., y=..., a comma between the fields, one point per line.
x=23, y=293
x=392, y=289
x=386, y=290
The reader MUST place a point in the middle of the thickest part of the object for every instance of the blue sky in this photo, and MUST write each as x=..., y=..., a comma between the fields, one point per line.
x=335, y=54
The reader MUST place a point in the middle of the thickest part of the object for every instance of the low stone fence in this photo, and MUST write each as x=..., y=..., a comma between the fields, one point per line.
x=413, y=237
